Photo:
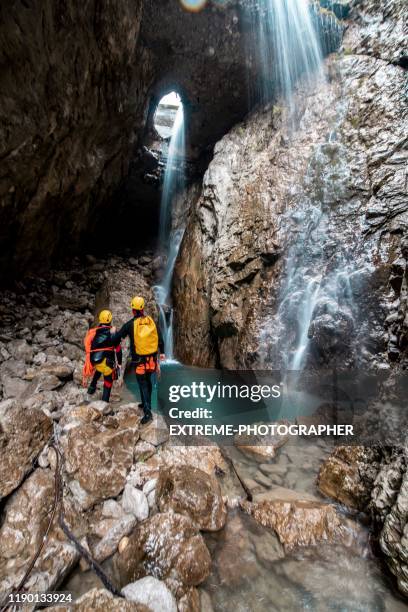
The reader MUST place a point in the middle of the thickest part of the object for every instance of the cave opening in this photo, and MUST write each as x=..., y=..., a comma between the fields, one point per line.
x=166, y=113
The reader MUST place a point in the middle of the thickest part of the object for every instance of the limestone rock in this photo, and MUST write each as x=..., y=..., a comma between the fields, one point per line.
x=348, y=475
x=113, y=534
x=99, y=454
x=298, y=523
x=152, y=593
x=26, y=516
x=260, y=447
x=190, y=491
x=156, y=431
x=111, y=509
x=14, y=387
x=23, y=434
x=144, y=450
x=134, y=502
x=259, y=192
x=21, y=350
x=62, y=371
x=165, y=545
x=389, y=504
x=240, y=546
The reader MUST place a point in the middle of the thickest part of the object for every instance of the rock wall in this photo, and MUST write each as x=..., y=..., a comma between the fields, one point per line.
x=74, y=83
x=79, y=88
x=330, y=178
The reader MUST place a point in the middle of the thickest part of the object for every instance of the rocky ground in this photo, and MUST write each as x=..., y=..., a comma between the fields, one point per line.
x=172, y=525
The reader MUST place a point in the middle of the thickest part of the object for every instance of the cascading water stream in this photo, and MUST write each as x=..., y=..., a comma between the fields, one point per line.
x=287, y=45
x=170, y=239
x=173, y=177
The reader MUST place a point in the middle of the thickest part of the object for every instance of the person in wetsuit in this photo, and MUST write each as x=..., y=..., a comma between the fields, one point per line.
x=106, y=355
x=146, y=347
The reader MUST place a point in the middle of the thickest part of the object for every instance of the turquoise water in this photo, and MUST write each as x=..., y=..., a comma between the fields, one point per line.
x=230, y=409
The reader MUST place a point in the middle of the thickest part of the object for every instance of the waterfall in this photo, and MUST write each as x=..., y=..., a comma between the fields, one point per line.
x=289, y=49
x=173, y=177
x=170, y=239
x=287, y=45
x=316, y=297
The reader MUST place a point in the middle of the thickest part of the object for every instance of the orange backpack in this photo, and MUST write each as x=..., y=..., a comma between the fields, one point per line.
x=88, y=369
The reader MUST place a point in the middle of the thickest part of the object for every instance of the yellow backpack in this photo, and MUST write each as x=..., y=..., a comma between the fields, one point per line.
x=145, y=336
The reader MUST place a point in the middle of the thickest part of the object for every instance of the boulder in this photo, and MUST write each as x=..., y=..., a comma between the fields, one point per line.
x=156, y=431
x=348, y=475
x=190, y=491
x=14, y=368
x=26, y=516
x=134, y=502
x=298, y=522
x=260, y=447
x=63, y=371
x=74, y=331
x=98, y=453
x=167, y=545
x=152, y=593
x=23, y=434
x=46, y=400
x=14, y=387
x=21, y=350
x=206, y=456
x=113, y=531
x=45, y=382
x=112, y=509
x=242, y=551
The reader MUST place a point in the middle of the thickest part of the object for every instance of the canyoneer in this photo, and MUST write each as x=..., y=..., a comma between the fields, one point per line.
x=146, y=347
x=103, y=356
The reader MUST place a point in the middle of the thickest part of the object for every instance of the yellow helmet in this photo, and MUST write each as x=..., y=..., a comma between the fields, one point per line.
x=137, y=303
x=105, y=316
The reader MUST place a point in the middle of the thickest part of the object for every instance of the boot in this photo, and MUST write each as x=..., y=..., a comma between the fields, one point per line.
x=106, y=394
x=147, y=417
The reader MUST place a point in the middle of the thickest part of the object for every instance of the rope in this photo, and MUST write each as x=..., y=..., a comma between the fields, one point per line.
x=6, y=604
x=96, y=567
x=59, y=501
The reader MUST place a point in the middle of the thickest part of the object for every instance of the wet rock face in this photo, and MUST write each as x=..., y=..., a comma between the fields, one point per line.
x=294, y=208
x=23, y=434
x=374, y=481
x=389, y=504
